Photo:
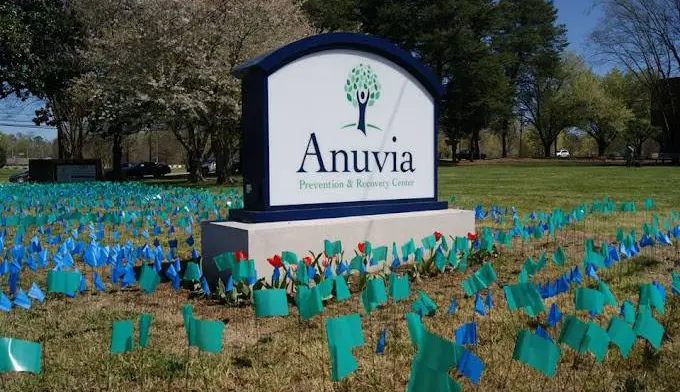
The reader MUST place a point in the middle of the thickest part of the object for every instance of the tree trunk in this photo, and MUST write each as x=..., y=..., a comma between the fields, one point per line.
x=504, y=144
x=601, y=148
x=547, y=145
x=478, y=153
x=195, y=174
x=117, y=155
x=221, y=165
x=454, y=147
x=471, y=151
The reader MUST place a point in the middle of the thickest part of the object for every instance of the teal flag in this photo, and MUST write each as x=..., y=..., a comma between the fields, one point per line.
x=594, y=258
x=481, y=279
x=144, y=327
x=398, y=287
x=622, y=335
x=332, y=248
x=650, y=296
x=596, y=340
x=380, y=254
x=271, y=302
x=438, y=353
x=343, y=334
x=439, y=261
x=424, y=378
x=628, y=312
x=539, y=353
x=309, y=302
x=429, y=242
x=341, y=290
x=288, y=257
x=66, y=282
x=244, y=270
x=589, y=299
x=572, y=333
x=524, y=295
x=415, y=328
x=149, y=279
x=224, y=261
x=19, y=356
x=409, y=248
x=121, y=337
x=206, y=335
x=326, y=288
x=609, y=298
x=424, y=304
x=193, y=272
x=559, y=257
x=647, y=327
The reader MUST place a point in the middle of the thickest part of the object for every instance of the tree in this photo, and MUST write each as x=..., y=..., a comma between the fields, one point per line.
x=3, y=157
x=362, y=89
x=644, y=37
x=602, y=110
x=528, y=41
x=39, y=40
x=547, y=102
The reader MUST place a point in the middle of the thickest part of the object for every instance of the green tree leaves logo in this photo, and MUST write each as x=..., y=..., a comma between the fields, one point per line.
x=362, y=89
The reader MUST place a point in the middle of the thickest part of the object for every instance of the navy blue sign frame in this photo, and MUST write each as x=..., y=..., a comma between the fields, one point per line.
x=255, y=147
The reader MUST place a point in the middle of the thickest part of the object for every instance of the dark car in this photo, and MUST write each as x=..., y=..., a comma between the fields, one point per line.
x=467, y=154
x=139, y=170
x=20, y=177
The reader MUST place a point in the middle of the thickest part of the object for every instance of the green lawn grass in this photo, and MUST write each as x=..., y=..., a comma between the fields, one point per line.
x=285, y=354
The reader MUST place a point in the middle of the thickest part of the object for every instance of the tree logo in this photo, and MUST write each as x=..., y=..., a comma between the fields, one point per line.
x=362, y=89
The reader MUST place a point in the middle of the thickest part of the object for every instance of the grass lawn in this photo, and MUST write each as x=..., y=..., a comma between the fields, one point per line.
x=284, y=354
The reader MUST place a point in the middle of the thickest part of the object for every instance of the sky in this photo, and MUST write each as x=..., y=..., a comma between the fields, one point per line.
x=579, y=16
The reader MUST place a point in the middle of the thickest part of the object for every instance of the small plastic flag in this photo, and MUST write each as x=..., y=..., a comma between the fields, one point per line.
x=21, y=300
x=36, y=293
x=466, y=334
x=380, y=346
x=479, y=305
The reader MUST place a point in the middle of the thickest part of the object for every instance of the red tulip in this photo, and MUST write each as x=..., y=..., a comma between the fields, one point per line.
x=362, y=247
x=437, y=235
x=307, y=260
x=239, y=255
x=275, y=261
x=472, y=236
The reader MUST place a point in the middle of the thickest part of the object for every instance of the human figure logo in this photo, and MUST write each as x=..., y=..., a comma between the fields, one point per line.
x=362, y=89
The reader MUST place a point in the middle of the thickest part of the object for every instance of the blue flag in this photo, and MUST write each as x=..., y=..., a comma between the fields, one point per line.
x=479, y=305
x=230, y=284
x=452, y=307
x=5, y=303
x=36, y=293
x=22, y=300
x=542, y=333
x=554, y=315
x=590, y=271
x=488, y=301
x=98, y=284
x=380, y=347
x=466, y=334
x=204, y=286
x=470, y=366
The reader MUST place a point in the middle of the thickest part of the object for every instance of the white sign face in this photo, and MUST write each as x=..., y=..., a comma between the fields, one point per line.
x=348, y=126
x=71, y=173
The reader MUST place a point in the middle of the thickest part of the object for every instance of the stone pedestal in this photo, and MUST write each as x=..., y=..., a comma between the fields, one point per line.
x=263, y=240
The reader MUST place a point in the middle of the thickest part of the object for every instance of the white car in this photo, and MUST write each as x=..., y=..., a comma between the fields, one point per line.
x=562, y=154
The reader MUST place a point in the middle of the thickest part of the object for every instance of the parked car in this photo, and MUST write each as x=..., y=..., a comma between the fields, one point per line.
x=139, y=170
x=562, y=153
x=209, y=166
x=467, y=154
x=20, y=177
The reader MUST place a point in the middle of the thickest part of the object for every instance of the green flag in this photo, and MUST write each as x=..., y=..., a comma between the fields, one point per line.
x=594, y=258
x=357, y=263
x=193, y=272
x=438, y=353
x=376, y=290
x=622, y=335
x=206, y=335
x=480, y=279
x=523, y=276
x=409, y=248
x=341, y=290
x=415, y=328
x=271, y=302
x=187, y=316
x=589, y=299
x=121, y=337
x=332, y=248
x=537, y=352
x=326, y=288
x=609, y=298
x=424, y=378
x=439, y=261
x=398, y=287
x=19, y=356
x=245, y=269
x=559, y=257
x=572, y=333
x=144, y=326
x=149, y=279
x=66, y=282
